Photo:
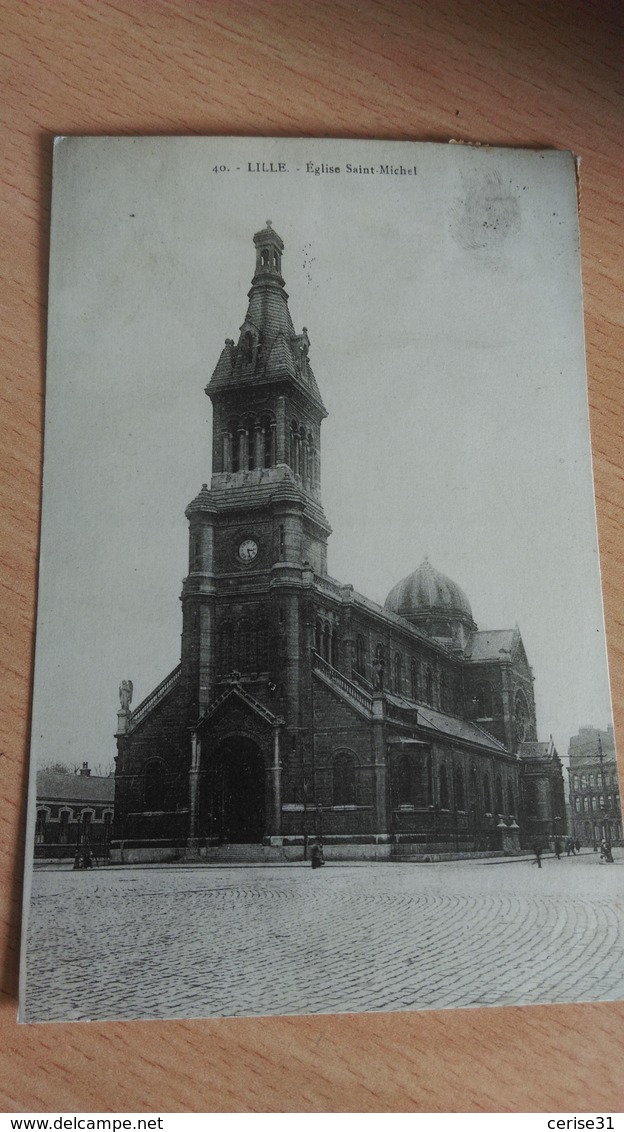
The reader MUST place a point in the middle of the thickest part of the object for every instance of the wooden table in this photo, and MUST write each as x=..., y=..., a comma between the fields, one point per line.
x=537, y=73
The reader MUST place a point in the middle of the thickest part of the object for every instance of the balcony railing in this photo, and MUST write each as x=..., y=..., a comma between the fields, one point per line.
x=155, y=697
x=342, y=681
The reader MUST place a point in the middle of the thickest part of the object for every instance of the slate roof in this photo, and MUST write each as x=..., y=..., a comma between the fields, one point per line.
x=448, y=725
x=281, y=352
x=491, y=644
x=54, y=787
x=537, y=750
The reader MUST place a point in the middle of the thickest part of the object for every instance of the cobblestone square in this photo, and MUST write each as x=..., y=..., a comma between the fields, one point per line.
x=197, y=941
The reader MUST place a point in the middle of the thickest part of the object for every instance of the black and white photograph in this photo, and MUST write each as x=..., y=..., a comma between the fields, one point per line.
x=321, y=718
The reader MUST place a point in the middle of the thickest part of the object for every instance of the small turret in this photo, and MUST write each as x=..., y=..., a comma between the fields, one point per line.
x=269, y=248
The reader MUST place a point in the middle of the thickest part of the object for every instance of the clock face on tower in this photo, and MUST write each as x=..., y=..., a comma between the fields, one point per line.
x=248, y=550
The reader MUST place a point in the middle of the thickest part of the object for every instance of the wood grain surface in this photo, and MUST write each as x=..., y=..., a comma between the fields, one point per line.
x=536, y=73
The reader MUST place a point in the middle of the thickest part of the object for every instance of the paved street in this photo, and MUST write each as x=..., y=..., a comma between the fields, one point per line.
x=194, y=941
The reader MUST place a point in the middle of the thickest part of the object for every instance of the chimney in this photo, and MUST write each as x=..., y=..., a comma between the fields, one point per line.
x=85, y=772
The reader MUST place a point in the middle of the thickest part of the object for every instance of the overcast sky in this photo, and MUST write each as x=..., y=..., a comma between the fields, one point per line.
x=445, y=318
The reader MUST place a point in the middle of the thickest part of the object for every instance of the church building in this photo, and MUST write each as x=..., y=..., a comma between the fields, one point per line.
x=300, y=709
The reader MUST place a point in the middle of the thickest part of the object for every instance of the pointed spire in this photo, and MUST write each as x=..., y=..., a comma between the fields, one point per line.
x=268, y=346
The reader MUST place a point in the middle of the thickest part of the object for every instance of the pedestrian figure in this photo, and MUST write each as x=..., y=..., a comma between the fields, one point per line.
x=605, y=852
x=577, y=845
x=316, y=856
x=569, y=847
x=557, y=848
x=537, y=849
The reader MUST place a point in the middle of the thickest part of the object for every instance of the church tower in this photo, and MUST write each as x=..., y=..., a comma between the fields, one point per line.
x=260, y=527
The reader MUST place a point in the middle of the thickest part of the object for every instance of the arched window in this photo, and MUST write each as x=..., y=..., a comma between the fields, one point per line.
x=311, y=461
x=247, y=347
x=429, y=686
x=265, y=257
x=458, y=784
x=263, y=646
x=531, y=799
x=487, y=794
x=64, y=817
x=154, y=785
x=500, y=805
x=474, y=783
x=511, y=800
x=444, y=788
x=232, y=446
x=414, y=679
x=344, y=779
x=246, y=649
x=268, y=442
x=397, y=673
x=404, y=781
x=483, y=701
x=226, y=649
x=577, y=805
x=445, y=697
x=360, y=655
x=522, y=718
x=40, y=831
x=318, y=638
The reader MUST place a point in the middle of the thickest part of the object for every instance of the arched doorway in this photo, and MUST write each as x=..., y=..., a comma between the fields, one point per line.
x=234, y=793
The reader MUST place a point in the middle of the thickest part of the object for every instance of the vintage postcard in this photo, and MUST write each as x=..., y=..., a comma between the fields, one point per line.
x=322, y=718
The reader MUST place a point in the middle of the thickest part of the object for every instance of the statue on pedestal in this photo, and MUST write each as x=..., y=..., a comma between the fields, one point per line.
x=125, y=694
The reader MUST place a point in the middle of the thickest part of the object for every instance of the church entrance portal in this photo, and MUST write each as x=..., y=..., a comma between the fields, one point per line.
x=235, y=794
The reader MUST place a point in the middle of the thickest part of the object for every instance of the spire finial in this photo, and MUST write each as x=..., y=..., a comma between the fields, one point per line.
x=269, y=224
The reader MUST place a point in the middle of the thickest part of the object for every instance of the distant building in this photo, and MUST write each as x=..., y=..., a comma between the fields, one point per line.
x=594, y=788
x=542, y=800
x=70, y=808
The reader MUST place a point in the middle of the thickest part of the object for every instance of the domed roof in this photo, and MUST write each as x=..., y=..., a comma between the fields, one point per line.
x=427, y=591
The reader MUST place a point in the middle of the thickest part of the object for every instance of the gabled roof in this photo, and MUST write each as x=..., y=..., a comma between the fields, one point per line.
x=492, y=644
x=236, y=691
x=537, y=751
x=78, y=788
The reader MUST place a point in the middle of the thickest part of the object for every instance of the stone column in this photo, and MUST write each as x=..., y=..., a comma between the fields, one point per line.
x=282, y=453
x=276, y=776
x=193, y=840
x=242, y=450
x=227, y=451
x=380, y=767
x=258, y=446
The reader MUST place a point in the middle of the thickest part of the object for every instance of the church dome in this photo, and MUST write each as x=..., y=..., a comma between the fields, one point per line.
x=428, y=594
